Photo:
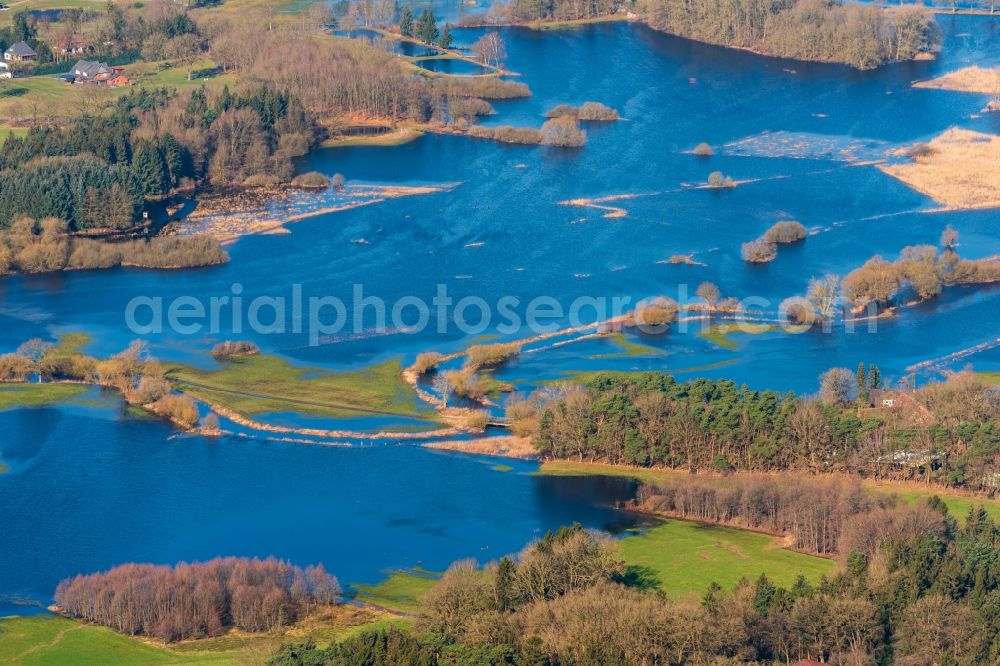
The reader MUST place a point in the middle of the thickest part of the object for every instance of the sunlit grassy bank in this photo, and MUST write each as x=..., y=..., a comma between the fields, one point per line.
x=54, y=640
x=679, y=557
x=47, y=639
x=401, y=591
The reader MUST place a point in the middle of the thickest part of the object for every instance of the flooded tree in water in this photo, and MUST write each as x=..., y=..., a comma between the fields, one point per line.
x=490, y=49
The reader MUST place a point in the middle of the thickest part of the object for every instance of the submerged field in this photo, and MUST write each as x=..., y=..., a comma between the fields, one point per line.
x=34, y=395
x=263, y=384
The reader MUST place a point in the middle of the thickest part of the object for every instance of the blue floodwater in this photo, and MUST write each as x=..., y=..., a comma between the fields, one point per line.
x=502, y=231
x=452, y=66
x=89, y=488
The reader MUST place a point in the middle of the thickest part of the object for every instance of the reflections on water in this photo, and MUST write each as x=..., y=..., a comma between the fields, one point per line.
x=89, y=487
x=92, y=488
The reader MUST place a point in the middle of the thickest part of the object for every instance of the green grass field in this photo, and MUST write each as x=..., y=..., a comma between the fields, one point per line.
x=683, y=557
x=11, y=131
x=36, y=395
x=47, y=639
x=58, y=641
x=401, y=592
x=379, y=387
x=958, y=505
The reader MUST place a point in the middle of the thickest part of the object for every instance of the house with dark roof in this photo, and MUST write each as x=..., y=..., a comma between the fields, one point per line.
x=90, y=70
x=96, y=73
x=19, y=52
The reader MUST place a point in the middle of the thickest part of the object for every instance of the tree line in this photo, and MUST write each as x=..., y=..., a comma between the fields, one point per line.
x=947, y=432
x=96, y=172
x=926, y=590
x=827, y=517
x=923, y=270
x=40, y=246
x=861, y=36
x=199, y=599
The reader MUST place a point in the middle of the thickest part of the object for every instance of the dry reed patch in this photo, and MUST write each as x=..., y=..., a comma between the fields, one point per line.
x=960, y=171
x=975, y=79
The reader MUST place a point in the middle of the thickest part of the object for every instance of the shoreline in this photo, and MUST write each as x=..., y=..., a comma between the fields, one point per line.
x=507, y=446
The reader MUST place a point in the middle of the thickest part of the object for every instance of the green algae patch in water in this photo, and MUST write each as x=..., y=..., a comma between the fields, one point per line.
x=721, y=334
x=629, y=348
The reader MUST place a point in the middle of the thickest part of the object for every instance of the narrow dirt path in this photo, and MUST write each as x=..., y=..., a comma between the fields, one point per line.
x=54, y=642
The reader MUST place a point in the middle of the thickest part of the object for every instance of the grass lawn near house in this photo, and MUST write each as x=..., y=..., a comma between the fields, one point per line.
x=49, y=96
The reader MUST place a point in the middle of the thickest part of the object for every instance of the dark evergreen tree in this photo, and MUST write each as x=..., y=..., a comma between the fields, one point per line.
x=150, y=168
x=446, y=38
x=427, y=30
x=406, y=22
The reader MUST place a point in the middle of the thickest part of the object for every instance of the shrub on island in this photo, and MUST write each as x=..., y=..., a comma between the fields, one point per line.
x=703, y=150
x=485, y=87
x=312, y=180
x=465, y=383
x=800, y=311
x=506, y=134
x=592, y=111
x=717, y=180
x=230, y=349
x=426, y=362
x=660, y=311
x=563, y=131
x=788, y=231
x=490, y=356
x=179, y=408
x=759, y=251
x=469, y=107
